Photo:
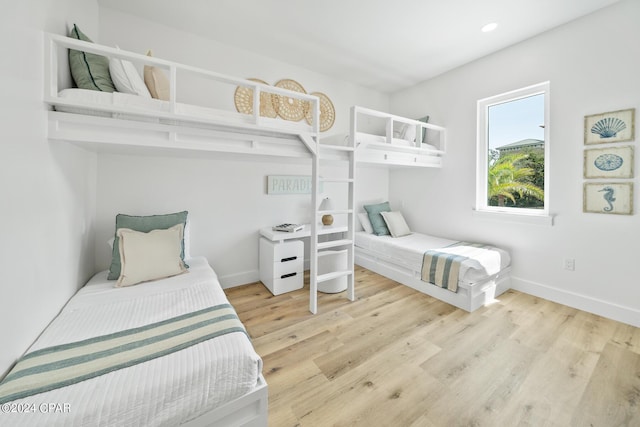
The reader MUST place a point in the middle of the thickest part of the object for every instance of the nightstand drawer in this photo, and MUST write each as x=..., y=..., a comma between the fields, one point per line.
x=285, y=251
x=290, y=282
x=285, y=267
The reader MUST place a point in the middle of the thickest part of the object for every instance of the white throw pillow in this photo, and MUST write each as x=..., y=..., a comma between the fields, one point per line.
x=187, y=240
x=365, y=222
x=149, y=256
x=396, y=224
x=404, y=131
x=126, y=79
x=409, y=133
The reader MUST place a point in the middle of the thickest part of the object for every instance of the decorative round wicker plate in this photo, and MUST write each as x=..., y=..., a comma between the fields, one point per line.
x=290, y=108
x=327, y=112
x=243, y=98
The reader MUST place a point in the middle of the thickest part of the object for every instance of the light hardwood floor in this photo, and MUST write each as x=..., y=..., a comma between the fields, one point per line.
x=396, y=357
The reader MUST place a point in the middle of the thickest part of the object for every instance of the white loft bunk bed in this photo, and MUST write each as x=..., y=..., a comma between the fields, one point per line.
x=120, y=122
x=113, y=122
x=392, y=140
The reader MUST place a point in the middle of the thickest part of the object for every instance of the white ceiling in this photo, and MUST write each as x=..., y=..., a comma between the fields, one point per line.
x=382, y=44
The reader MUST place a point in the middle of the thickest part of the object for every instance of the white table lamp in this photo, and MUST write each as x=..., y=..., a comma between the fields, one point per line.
x=326, y=205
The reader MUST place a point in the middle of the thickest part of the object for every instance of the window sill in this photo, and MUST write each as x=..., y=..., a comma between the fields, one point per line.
x=519, y=218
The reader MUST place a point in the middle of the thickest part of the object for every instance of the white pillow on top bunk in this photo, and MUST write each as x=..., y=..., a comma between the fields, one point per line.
x=404, y=131
x=396, y=224
x=126, y=79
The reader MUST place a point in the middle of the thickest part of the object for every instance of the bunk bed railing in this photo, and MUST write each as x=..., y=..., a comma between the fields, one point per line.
x=390, y=119
x=54, y=43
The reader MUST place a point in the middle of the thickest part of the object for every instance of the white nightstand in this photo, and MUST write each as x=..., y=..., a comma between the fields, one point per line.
x=282, y=258
x=281, y=265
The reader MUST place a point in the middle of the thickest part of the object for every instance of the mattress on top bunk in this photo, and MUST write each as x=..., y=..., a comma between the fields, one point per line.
x=363, y=137
x=408, y=251
x=168, y=390
x=126, y=100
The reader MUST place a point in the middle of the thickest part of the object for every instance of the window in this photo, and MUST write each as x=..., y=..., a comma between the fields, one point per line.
x=513, y=152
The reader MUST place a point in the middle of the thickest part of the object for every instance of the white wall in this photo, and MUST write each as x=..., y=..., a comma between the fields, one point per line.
x=226, y=199
x=225, y=195
x=47, y=191
x=592, y=65
x=138, y=35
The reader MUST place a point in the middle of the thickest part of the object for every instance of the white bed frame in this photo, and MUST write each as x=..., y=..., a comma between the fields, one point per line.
x=220, y=130
x=417, y=154
x=250, y=410
x=469, y=297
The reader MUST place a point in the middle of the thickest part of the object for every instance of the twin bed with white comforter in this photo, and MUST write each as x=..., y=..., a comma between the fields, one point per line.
x=201, y=384
x=482, y=276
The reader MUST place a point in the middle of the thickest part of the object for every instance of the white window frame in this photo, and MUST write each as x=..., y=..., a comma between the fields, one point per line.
x=482, y=207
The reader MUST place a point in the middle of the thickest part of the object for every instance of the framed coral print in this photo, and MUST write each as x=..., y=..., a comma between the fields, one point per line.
x=608, y=198
x=611, y=162
x=615, y=126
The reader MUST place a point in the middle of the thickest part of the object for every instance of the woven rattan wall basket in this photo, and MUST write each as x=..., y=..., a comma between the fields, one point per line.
x=243, y=98
x=327, y=112
x=290, y=108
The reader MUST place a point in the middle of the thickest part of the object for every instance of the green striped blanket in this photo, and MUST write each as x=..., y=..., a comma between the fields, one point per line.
x=442, y=267
x=58, y=366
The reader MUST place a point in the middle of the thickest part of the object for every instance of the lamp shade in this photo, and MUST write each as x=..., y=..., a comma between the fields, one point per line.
x=326, y=204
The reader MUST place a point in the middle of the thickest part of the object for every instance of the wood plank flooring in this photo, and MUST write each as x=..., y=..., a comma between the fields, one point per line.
x=396, y=357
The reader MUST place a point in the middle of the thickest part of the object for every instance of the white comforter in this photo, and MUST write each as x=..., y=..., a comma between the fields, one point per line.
x=165, y=391
x=409, y=250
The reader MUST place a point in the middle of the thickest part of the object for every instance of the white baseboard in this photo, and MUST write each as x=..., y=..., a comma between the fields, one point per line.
x=600, y=307
x=239, y=279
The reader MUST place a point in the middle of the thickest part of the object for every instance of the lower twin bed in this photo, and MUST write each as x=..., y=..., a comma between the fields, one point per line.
x=427, y=264
x=216, y=381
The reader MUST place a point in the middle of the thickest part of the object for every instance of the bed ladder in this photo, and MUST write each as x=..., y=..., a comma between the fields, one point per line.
x=344, y=208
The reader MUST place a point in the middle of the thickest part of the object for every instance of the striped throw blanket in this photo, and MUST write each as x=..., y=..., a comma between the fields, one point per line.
x=58, y=366
x=441, y=267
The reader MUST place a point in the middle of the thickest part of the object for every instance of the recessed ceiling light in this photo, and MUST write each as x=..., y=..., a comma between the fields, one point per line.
x=489, y=27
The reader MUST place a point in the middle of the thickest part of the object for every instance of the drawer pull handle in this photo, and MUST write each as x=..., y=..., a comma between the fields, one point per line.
x=291, y=258
x=284, y=276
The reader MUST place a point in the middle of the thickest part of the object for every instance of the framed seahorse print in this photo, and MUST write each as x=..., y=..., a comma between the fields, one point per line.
x=608, y=198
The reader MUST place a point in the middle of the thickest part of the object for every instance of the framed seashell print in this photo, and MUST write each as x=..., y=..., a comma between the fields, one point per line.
x=614, y=126
x=610, y=162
